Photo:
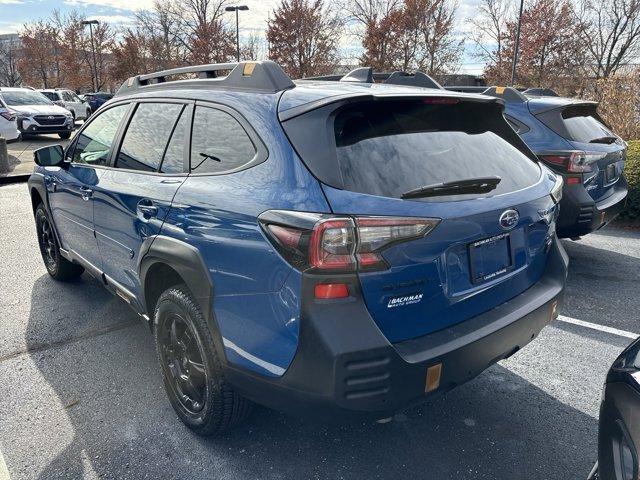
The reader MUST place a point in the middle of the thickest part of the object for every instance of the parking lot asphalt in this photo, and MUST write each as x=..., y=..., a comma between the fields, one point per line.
x=81, y=394
x=21, y=153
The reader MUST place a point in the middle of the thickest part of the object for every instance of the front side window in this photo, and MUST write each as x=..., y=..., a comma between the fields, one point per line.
x=218, y=142
x=94, y=142
x=147, y=136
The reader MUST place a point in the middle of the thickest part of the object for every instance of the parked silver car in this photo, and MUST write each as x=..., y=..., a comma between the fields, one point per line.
x=80, y=109
x=35, y=113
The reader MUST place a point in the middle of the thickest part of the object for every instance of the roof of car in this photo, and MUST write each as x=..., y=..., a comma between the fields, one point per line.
x=266, y=77
x=309, y=94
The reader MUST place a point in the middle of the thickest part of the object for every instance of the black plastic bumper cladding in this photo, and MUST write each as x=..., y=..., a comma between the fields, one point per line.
x=580, y=214
x=345, y=367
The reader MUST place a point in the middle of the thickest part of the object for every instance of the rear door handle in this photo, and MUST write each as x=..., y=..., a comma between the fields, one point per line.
x=86, y=193
x=147, y=209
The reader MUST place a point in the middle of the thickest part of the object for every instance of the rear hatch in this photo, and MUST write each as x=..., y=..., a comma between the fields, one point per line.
x=489, y=245
x=604, y=151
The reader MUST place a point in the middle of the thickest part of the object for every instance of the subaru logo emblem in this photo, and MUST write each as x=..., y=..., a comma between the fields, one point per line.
x=509, y=219
x=50, y=117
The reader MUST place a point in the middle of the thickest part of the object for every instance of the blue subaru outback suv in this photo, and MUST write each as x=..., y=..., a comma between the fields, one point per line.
x=316, y=247
x=569, y=136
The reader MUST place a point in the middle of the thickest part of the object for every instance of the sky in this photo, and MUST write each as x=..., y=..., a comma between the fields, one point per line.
x=15, y=13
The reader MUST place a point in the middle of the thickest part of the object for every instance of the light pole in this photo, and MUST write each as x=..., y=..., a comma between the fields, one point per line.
x=517, y=46
x=237, y=8
x=91, y=23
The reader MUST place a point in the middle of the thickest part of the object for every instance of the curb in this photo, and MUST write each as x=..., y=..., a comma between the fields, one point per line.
x=6, y=180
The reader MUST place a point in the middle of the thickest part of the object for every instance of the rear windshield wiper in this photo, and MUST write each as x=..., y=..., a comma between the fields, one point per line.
x=605, y=140
x=456, y=187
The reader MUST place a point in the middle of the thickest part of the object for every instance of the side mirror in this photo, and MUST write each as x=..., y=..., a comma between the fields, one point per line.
x=51, y=156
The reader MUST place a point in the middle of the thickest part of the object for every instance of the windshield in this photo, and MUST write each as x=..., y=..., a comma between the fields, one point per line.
x=18, y=98
x=387, y=149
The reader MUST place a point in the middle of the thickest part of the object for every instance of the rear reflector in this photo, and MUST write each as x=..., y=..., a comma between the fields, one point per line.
x=573, y=180
x=433, y=377
x=326, y=291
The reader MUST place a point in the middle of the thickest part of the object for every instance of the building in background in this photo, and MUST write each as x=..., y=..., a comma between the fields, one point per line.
x=10, y=46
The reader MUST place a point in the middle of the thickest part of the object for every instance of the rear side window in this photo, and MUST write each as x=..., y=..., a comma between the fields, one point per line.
x=147, y=136
x=218, y=142
x=388, y=148
x=53, y=96
x=94, y=142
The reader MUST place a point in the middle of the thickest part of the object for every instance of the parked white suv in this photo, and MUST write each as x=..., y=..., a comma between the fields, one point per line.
x=69, y=100
x=35, y=113
x=8, y=125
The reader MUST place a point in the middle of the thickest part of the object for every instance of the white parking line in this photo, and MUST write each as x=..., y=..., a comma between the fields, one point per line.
x=601, y=328
x=4, y=471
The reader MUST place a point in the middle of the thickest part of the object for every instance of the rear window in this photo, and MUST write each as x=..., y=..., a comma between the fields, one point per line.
x=580, y=123
x=584, y=124
x=389, y=148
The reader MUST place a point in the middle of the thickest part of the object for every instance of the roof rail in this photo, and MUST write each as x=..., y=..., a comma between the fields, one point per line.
x=541, y=92
x=367, y=75
x=508, y=94
x=263, y=76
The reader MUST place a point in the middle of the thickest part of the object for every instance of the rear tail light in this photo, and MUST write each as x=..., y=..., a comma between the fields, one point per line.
x=572, y=161
x=339, y=244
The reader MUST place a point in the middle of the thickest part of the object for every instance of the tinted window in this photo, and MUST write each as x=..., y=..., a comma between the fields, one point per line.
x=583, y=124
x=388, y=148
x=219, y=143
x=51, y=96
x=147, y=136
x=174, y=157
x=94, y=142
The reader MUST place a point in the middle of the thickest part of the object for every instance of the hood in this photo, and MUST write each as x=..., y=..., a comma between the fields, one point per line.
x=40, y=110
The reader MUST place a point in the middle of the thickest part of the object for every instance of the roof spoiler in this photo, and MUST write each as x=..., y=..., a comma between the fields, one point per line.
x=367, y=75
x=263, y=76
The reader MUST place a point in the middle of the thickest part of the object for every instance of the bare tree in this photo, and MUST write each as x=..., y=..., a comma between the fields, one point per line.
x=610, y=29
x=303, y=37
x=9, y=54
x=204, y=32
x=489, y=29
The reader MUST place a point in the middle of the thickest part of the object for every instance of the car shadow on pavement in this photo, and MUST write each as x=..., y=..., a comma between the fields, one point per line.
x=603, y=286
x=111, y=418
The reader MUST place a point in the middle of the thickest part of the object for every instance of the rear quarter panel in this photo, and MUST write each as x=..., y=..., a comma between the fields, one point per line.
x=256, y=294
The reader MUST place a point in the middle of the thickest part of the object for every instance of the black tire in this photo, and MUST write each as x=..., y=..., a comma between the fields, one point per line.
x=191, y=368
x=58, y=267
x=65, y=135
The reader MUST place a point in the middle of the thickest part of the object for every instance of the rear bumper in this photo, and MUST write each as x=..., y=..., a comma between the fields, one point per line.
x=580, y=214
x=345, y=367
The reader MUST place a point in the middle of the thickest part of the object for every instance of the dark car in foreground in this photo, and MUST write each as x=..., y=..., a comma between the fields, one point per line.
x=322, y=248
x=571, y=138
x=619, y=433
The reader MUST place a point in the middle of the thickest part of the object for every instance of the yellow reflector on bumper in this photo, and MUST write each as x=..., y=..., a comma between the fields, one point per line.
x=433, y=377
